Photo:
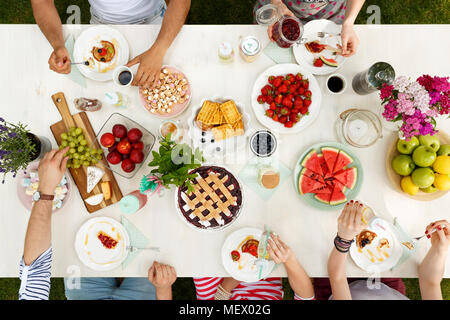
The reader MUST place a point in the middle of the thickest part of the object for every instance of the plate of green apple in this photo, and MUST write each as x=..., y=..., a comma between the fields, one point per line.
x=420, y=167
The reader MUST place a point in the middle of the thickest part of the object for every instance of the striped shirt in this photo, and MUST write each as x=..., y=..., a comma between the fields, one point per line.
x=266, y=289
x=35, y=278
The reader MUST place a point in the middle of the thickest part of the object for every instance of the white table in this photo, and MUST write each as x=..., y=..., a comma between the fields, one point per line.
x=25, y=96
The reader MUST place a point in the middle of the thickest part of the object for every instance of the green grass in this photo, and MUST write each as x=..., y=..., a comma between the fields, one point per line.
x=232, y=12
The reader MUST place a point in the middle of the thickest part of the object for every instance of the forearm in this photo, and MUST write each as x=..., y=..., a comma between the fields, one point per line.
x=164, y=293
x=299, y=279
x=431, y=271
x=174, y=19
x=338, y=278
x=353, y=8
x=38, y=236
x=48, y=20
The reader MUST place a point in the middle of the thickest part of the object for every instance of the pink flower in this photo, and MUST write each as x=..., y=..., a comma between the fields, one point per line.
x=386, y=91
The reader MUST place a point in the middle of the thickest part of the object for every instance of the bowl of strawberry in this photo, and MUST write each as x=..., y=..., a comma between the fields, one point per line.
x=125, y=143
x=286, y=98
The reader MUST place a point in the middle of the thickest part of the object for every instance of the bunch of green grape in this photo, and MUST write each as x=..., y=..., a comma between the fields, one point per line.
x=80, y=154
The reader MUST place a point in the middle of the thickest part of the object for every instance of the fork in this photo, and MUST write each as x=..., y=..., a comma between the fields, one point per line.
x=434, y=230
x=131, y=248
x=86, y=63
x=321, y=34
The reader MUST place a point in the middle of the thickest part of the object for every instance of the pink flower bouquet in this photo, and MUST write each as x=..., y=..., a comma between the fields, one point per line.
x=416, y=103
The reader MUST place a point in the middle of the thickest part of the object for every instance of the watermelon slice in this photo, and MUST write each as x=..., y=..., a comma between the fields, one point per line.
x=323, y=197
x=338, y=196
x=312, y=175
x=329, y=61
x=323, y=165
x=330, y=155
x=308, y=185
x=311, y=161
x=347, y=177
x=324, y=189
x=343, y=160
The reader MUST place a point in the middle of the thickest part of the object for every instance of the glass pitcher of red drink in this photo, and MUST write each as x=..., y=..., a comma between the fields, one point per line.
x=286, y=30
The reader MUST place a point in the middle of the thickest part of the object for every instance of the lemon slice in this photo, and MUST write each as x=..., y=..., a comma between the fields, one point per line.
x=367, y=214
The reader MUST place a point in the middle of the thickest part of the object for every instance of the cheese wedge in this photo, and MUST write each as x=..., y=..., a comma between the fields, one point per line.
x=94, y=175
x=94, y=200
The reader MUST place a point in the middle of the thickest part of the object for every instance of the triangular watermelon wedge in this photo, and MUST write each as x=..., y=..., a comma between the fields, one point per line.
x=311, y=161
x=338, y=196
x=343, y=160
x=330, y=155
x=311, y=174
x=347, y=177
x=323, y=165
x=308, y=185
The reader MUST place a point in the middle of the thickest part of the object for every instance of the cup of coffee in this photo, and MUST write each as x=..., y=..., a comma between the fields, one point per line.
x=123, y=76
x=336, y=83
x=268, y=177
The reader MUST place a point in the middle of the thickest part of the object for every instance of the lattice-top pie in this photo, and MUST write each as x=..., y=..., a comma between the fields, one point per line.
x=215, y=201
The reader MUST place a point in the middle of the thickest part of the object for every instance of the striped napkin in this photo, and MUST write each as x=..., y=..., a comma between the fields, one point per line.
x=75, y=74
x=137, y=239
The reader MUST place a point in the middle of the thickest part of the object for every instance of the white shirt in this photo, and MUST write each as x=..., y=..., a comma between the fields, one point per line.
x=126, y=11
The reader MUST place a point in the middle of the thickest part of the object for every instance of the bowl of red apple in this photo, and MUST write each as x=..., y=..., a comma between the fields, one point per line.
x=125, y=143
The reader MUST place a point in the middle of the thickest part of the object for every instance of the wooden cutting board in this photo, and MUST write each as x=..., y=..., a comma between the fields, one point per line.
x=79, y=175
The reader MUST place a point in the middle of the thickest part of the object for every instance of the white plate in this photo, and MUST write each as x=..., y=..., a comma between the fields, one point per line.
x=90, y=38
x=228, y=146
x=306, y=58
x=102, y=259
x=231, y=243
x=383, y=229
x=260, y=109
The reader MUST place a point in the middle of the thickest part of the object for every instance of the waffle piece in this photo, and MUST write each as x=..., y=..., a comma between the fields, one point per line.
x=230, y=112
x=208, y=113
x=223, y=132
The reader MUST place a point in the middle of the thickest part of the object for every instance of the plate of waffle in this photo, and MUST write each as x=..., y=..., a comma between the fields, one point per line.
x=219, y=126
x=169, y=96
x=104, y=48
x=376, y=248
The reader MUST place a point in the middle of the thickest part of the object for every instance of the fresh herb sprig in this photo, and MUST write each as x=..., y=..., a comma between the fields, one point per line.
x=16, y=148
x=173, y=163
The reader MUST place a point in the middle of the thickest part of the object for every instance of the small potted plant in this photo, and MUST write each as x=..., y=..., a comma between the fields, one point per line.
x=19, y=147
x=173, y=163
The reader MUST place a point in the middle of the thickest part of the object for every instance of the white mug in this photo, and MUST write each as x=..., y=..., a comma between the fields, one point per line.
x=118, y=71
x=340, y=76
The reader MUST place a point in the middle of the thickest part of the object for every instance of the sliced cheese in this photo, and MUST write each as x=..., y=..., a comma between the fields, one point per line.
x=94, y=175
x=106, y=189
x=94, y=200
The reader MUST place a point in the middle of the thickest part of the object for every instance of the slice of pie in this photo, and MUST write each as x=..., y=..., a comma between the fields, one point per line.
x=216, y=200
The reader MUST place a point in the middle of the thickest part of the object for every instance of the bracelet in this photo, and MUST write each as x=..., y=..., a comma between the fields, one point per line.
x=342, y=245
x=222, y=294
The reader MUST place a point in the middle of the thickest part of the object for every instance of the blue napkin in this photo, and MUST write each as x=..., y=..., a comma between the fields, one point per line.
x=402, y=236
x=137, y=239
x=279, y=55
x=75, y=74
x=249, y=175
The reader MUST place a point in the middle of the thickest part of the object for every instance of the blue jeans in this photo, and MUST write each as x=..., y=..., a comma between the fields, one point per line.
x=109, y=289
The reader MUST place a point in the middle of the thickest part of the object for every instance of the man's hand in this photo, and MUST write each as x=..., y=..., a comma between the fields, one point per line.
x=60, y=60
x=162, y=276
x=51, y=170
x=150, y=63
x=349, y=39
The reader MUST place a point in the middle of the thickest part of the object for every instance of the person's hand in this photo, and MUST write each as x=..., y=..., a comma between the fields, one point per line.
x=278, y=251
x=162, y=276
x=51, y=170
x=229, y=284
x=59, y=60
x=440, y=239
x=284, y=11
x=431, y=270
x=150, y=63
x=349, y=39
x=349, y=222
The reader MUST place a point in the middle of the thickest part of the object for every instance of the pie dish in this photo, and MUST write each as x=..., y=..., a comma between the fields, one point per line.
x=219, y=126
x=215, y=202
x=101, y=243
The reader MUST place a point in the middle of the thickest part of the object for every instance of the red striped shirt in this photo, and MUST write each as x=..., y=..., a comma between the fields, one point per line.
x=266, y=289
